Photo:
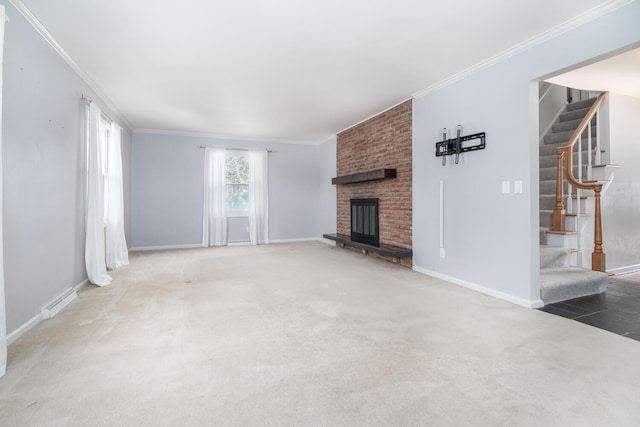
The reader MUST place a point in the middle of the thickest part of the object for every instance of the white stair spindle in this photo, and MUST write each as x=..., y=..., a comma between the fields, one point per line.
x=598, y=148
x=580, y=158
x=590, y=153
x=578, y=230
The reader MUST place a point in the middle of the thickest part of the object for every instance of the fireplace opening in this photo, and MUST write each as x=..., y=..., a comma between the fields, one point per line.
x=364, y=221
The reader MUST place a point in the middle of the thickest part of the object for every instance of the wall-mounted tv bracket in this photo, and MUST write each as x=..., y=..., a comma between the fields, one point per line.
x=455, y=145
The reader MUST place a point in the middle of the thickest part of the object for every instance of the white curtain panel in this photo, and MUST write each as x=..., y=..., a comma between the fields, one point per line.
x=94, y=252
x=3, y=316
x=116, y=244
x=214, y=220
x=258, y=197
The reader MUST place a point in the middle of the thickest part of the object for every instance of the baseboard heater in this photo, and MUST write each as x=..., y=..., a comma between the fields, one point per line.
x=60, y=302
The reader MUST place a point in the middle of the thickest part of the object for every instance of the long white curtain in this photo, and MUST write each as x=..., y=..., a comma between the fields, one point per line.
x=116, y=244
x=214, y=224
x=3, y=317
x=258, y=197
x=94, y=253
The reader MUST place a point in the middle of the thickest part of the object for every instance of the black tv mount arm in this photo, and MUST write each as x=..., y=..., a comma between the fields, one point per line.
x=455, y=145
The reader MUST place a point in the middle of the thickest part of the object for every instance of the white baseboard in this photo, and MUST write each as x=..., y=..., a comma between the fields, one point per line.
x=305, y=239
x=81, y=285
x=31, y=323
x=170, y=247
x=28, y=325
x=625, y=270
x=164, y=248
x=482, y=289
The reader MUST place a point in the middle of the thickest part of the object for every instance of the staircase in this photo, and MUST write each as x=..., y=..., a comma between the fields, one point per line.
x=560, y=282
x=561, y=255
x=560, y=133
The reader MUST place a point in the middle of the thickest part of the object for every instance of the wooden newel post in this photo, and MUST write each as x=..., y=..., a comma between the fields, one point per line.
x=558, y=211
x=598, y=261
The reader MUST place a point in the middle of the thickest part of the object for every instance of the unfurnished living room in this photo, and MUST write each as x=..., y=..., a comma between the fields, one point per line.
x=319, y=213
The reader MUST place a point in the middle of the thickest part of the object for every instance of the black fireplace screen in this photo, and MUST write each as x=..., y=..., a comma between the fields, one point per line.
x=364, y=221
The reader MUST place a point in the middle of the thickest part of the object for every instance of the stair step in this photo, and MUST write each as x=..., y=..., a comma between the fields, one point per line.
x=548, y=188
x=547, y=201
x=561, y=233
x=580, y=105
x=570, y=125
x=563, y=137
x=553, y=257
x=546, y=218
x=552, y=159
x=606, y=165
x=551, y=149
x=549, y=172
x=564, y=283
x=573, y=115
x=543, y=235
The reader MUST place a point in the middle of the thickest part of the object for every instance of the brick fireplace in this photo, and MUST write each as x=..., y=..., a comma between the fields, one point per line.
x=382, y=142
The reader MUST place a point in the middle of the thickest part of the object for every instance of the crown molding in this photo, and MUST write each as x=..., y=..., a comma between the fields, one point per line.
x=44, y=33
x=333, y=138
x=375, y=115
x=220, y=136
x=572, y=23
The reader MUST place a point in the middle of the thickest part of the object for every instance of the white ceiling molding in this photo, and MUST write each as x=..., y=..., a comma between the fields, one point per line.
x=375, y=115
x=227, y=137
x=575, y=22
x=37, y=25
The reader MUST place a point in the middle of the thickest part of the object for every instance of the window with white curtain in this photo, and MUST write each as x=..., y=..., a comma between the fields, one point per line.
x=235, y=184
x=105, y=244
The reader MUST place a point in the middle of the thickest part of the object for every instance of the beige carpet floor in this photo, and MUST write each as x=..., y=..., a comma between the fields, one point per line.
x=306, y=334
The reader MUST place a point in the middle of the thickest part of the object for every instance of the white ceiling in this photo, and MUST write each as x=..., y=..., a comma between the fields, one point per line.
x=282, y=69
x=618, y=74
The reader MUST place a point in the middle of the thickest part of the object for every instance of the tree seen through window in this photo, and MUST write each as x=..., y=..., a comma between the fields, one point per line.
x=237, y=183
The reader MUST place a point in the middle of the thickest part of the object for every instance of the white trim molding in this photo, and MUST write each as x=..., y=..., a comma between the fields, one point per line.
x=35, y=320
x=304, y=239
x=583, y=18
x=165, y=247
x=482, y=289
x=225, y=137
x=24, y=328
x=375, y=115
x=625, y=270
x=46, y=35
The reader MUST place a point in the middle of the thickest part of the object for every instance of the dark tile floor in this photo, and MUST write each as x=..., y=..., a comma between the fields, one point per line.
x=617, y=310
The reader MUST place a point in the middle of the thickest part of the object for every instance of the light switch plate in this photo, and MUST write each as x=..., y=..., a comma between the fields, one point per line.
x=506, y=187
x=517, y=187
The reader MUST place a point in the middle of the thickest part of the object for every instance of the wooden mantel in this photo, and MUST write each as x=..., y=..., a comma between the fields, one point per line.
x=373, y=175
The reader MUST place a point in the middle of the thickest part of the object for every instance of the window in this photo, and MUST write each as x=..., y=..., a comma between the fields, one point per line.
x=237, y=184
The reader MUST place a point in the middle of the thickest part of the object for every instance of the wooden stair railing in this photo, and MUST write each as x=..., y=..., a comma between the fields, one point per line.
x=598, y=256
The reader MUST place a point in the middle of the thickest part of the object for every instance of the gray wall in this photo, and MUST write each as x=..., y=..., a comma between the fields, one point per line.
x=491, y=239
x=326, y=191
x=621, y=202
x=43, y=189
x=167, y=189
